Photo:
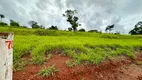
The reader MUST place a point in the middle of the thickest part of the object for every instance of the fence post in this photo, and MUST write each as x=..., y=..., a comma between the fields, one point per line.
x=6, y=56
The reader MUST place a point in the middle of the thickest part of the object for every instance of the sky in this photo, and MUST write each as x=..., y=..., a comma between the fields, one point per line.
x=93, y=14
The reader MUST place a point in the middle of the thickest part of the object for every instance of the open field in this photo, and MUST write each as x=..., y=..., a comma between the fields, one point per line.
x=37, y=46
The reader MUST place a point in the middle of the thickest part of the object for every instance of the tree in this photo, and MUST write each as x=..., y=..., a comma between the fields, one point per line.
x=81, y=30
x=33, y=24
x=69, y=29
x=93, y=31
x=2, y=16
x=53, y=28
x=137, y=29
x=14, y=23
x=3, y=24
x=72, y=19
x=41, y=27
x=109, y=28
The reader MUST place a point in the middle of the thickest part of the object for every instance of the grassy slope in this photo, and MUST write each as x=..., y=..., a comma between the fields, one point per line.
x=82, y=46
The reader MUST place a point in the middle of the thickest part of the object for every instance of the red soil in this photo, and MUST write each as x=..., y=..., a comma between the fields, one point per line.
x=119, y=68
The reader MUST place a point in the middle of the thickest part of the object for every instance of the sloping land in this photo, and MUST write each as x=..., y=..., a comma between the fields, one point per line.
x=76, y=55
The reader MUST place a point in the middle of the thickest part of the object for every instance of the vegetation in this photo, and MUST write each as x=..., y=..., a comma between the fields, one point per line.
x=72, y=63
x=2, y=16
x=81, y=30
x=109, y=28
x=137, y=29
x=69, y=29
x=3, y=24
x=14, y=23
x=48, y=71
x=53, y=28
x=72, y=19
x=81, y=46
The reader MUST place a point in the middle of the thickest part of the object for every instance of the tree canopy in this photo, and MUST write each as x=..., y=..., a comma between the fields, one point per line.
x=72, y=19
x=53, y=27
x=2, y=16
x=109, y=28
x=14, y=23
x=137, y=29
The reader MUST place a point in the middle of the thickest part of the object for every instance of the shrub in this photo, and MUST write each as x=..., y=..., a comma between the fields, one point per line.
x=3, y=24
x=53, y=28
x=69, y=29
x=81, y=30
x=48, y=71
x=14, y=23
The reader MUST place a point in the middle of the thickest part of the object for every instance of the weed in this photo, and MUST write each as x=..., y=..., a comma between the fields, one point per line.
x=49, y=56
x=48, y=71
x=139, y=62
x=72, y=63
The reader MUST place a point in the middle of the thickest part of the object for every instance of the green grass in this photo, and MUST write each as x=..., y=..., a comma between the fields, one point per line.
x=48, y=71
x=81, y=46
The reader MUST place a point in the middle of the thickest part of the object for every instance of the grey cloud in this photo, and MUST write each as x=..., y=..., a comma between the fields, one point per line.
x=93, y=14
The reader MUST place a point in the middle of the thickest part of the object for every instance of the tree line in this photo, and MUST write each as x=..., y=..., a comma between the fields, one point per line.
x=71, y=17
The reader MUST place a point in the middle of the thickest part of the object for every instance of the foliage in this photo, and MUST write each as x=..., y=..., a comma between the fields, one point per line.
x=2, y=16
x=81, y=30
x=139, y=62
x=3, y=24
x=14, y=23
x=53, y=28
x=35, y=25
x=24, y=26
x=72, y=63
x=109, y=28
x=93, y=31
x=72, y=19
x=137, y=29
x=69, y=29
x=81, y=46
x=20, y=64
x=48, y=71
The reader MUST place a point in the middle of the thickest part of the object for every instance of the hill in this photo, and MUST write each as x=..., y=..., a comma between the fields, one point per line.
x=82, y=47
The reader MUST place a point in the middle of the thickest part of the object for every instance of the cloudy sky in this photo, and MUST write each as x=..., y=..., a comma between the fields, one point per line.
x=93, y=14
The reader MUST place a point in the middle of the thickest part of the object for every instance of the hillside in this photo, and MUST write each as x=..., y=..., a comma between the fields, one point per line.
x=36, y=46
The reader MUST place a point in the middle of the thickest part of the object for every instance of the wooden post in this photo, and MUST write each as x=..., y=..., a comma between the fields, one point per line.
x=6, y=56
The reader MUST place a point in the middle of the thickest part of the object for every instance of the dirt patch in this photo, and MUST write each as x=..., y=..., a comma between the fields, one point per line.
x=118, y=68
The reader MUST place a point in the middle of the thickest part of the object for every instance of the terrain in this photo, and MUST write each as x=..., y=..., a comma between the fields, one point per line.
x=76, y=55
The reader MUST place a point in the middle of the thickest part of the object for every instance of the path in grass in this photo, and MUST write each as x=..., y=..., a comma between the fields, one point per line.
x=118, y=68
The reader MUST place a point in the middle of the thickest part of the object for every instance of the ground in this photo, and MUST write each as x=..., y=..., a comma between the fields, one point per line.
x=118, y=68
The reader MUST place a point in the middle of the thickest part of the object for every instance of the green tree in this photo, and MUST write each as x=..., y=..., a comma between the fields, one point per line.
x=81, y=30
x=137, y=29
x=2, y=16
x=109, y=28
x=69, y=29
x=14, y=23
x=53, y=28
x=33, y=24
x=3, y=24
x=93, y=31
x=72, y=19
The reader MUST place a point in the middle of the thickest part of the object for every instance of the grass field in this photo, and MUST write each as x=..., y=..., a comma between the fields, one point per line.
x=81, y=46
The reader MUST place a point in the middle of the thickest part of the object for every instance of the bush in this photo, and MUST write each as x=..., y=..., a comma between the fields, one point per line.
x=81, y=30
x=3, y=24
x=53, y=28
x=93, y=31
x=69, y=29
x=14, y=23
